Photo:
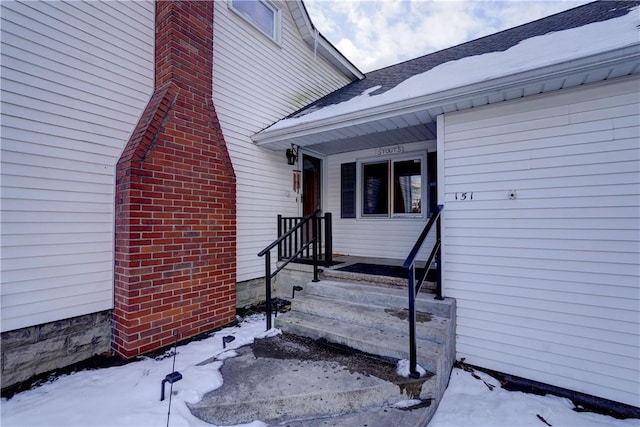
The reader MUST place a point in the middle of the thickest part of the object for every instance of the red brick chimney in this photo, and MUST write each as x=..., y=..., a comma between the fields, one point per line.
x=175, y=251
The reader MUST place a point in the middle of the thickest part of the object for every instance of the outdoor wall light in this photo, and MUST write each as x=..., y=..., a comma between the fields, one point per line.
x=292, y=155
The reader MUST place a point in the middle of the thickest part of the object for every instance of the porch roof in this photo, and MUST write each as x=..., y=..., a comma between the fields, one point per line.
x=400, y=103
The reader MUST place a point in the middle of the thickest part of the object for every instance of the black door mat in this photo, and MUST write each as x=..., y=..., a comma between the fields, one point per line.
x=384, y=270
x=310, y=261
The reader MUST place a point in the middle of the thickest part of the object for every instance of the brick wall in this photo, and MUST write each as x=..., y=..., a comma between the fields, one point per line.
x=175, y=267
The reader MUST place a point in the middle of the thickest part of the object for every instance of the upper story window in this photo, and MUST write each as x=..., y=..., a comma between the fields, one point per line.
x=261, y=14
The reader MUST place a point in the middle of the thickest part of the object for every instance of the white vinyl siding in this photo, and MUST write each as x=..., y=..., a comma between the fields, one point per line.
x=255, y=83
x=548, y=283
x=390, y=237
x=75, y=79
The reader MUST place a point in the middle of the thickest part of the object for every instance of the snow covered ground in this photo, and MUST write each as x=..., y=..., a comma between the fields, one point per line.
x=129, y=395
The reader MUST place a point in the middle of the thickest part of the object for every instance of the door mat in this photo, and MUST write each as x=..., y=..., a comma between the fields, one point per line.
x=310, y=261
x=384, y=270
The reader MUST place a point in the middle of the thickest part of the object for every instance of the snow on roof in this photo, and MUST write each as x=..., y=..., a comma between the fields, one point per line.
x=529, y=54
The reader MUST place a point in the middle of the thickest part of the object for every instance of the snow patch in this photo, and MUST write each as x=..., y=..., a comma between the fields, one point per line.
x=270, y=333
x=403, y=404
x=404, y=371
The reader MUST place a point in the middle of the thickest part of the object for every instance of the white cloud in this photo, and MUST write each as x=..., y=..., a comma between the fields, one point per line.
x=375, y=34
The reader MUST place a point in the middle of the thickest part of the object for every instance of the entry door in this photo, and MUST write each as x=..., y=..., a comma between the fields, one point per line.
x=311, y=184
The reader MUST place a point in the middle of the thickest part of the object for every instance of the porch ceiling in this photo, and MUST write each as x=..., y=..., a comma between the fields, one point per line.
x=368, y=135
x=413, y=119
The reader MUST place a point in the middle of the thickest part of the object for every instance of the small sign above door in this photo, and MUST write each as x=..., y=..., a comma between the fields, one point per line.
x=386, y=151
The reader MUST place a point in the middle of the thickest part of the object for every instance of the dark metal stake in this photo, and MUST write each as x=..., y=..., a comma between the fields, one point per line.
x=267, y=278
x=227, y=339
x=293, y=291
x=171, y=378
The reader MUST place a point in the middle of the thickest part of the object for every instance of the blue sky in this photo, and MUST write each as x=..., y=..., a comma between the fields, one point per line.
x=377, y=33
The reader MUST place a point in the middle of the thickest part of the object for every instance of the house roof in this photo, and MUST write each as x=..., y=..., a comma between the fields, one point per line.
x=399, y=103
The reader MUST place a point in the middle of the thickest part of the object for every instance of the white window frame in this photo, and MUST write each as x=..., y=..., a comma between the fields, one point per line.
x=277, y=19
x=390, y=201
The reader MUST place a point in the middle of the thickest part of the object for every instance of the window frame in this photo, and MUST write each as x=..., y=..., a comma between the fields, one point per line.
x=277, y=19
x=390, y=160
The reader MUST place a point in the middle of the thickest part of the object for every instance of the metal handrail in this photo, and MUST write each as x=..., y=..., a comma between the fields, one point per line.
x=414, y=288
x=292, y=242
x=313, y=218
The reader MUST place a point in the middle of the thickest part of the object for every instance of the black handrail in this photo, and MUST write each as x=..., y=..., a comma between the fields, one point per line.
x=414, y=288
x=313, y=218
x=292, y=243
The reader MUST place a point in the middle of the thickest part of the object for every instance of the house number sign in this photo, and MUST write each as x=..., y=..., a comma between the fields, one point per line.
x=464, y=196
x=385, y=151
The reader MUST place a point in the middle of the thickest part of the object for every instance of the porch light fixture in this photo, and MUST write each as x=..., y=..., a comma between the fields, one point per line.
x=292, y=155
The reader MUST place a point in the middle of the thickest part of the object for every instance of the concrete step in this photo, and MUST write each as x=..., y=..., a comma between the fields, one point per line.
x=373, y=417
x=373, y=318
x=430, y=355
x=382, y=296
x=428, y=326
x=364, y=278
x=296, y=381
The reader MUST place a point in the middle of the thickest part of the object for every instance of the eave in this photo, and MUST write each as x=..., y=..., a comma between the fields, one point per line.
x=414, y=119
x=319, y=43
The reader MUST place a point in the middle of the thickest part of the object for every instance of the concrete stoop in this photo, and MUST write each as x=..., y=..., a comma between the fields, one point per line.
x=373, y=318
x=335, y=363
x=297, y=381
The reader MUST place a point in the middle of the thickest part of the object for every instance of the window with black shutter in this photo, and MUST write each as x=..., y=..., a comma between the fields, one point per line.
x=399, y=187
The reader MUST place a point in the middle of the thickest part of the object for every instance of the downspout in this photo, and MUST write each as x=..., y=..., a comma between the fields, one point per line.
x=441, y=196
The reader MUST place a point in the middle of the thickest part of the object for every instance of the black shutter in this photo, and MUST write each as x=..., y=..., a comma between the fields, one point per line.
x=348, y=190
x=432, y=172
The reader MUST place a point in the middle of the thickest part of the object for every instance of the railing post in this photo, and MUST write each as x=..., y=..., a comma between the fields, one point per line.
x=328, y=240
x=314, y=224
x=320, y=234
x=293, y=239
x=280, y=234
x=308, y=235
x=438, y=261
x=267, y=279
x=413, y=372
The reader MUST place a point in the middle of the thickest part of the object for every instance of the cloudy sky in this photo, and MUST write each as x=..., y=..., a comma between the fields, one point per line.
x=377, y=33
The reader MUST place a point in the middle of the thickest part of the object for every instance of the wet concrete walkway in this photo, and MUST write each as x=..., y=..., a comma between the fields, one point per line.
x=295, y=381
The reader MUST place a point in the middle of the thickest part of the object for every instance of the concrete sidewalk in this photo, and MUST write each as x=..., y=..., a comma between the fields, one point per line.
x=295, y=381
